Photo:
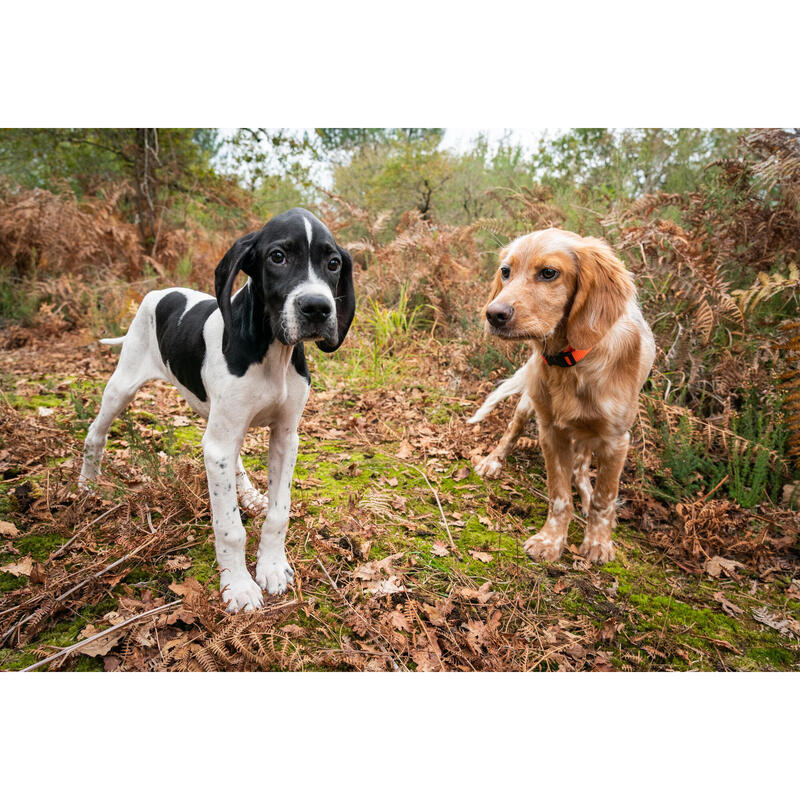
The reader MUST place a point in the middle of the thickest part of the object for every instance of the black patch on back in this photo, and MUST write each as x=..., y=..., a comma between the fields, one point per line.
x=299, y=362
x=180, y=338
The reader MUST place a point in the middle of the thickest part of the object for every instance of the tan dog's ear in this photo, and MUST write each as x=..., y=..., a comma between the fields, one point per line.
x=604, y=289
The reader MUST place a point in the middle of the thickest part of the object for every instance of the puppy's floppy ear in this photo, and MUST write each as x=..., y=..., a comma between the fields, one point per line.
x=604, y=289
x=236, y=259
x=345, y=302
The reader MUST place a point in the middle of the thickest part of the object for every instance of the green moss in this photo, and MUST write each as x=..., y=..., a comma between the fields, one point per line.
x=204, y=564
x=39, y=546
x=776, y=657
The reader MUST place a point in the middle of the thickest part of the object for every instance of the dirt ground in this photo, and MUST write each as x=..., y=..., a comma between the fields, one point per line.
x=404, y=559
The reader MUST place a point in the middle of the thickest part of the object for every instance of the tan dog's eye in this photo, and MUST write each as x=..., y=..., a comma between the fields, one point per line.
x=505, y=272
x=548, y=274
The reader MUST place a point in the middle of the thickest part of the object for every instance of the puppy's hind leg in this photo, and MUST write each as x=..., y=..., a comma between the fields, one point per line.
x=597, y=545
x=273, y=571
x=254, y=503
x=135, y=367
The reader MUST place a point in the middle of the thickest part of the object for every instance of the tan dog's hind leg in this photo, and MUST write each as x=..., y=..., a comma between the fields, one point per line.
x=548, y=544
x=597, y=544
x=492, y=465
x=580, y=475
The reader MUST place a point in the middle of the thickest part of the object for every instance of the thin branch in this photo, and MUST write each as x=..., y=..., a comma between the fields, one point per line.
x=85, y=528
x=78, y=645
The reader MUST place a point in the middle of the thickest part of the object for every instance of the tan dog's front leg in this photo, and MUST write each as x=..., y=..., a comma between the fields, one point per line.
x=548, y=544
x=597, y=545
x=491, y=466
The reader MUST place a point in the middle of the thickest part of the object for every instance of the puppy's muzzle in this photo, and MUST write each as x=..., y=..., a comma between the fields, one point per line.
x=499, y=314
x=316, y=318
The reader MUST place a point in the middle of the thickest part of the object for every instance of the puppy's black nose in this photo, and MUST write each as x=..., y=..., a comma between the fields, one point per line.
x=314, y=307
x=499, y=314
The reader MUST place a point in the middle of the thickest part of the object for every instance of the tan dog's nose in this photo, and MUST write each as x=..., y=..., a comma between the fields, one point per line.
x=499, y=314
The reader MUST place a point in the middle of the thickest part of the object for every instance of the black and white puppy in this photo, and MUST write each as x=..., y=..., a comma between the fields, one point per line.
x=239, y=362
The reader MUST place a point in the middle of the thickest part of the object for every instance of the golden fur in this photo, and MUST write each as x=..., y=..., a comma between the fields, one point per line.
x=580, y=410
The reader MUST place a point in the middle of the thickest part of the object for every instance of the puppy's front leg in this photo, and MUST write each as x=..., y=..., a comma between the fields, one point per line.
x=548, y=544
x=492, y=465
x=273, y=572
x=221, y=444
x=597, y=544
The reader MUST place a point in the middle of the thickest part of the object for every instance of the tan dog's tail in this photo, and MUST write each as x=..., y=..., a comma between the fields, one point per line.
x=514, y=385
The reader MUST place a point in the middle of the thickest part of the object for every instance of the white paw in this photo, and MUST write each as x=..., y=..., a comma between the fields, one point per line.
x=240, y=593
x=85, y=483
x=597, y=550
x=545, y=546
x=273, y=574
x=489, y=467
x=253, y=503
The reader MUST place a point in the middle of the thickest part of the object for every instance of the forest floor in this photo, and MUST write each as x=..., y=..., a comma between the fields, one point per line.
x=404, y=558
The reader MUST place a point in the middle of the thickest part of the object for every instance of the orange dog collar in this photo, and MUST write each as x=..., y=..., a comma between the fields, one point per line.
x=566, y=358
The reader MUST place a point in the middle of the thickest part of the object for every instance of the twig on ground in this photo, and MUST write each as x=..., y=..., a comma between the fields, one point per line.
x=85, y=528
x=17, y=625
x=77, y=646
x=456, y=551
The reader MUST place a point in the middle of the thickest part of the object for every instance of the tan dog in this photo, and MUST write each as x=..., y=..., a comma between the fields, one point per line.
x=574, y=299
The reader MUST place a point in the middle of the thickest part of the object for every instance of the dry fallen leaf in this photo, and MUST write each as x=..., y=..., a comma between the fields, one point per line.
x=8, y=530
x=190, y=587
x=460, y=474
x=398, y=620
x=179, y=562
x=182, y=614
x=716, y=565
x=405, y=450
x=729, y=608
x=179, y=421
x=479, y=555
x=426, y=660
x=390, y=585
x=21, y=567
x=439, y=549
x=37, y=573
x=482, y=594
x=371, y=570
x=437, y=614
x=101, y=646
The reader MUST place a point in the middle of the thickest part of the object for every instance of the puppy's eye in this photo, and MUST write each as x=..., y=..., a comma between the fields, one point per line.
x=277, y=257
x=334, y=264
x=548, y=274
x=505, y=272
